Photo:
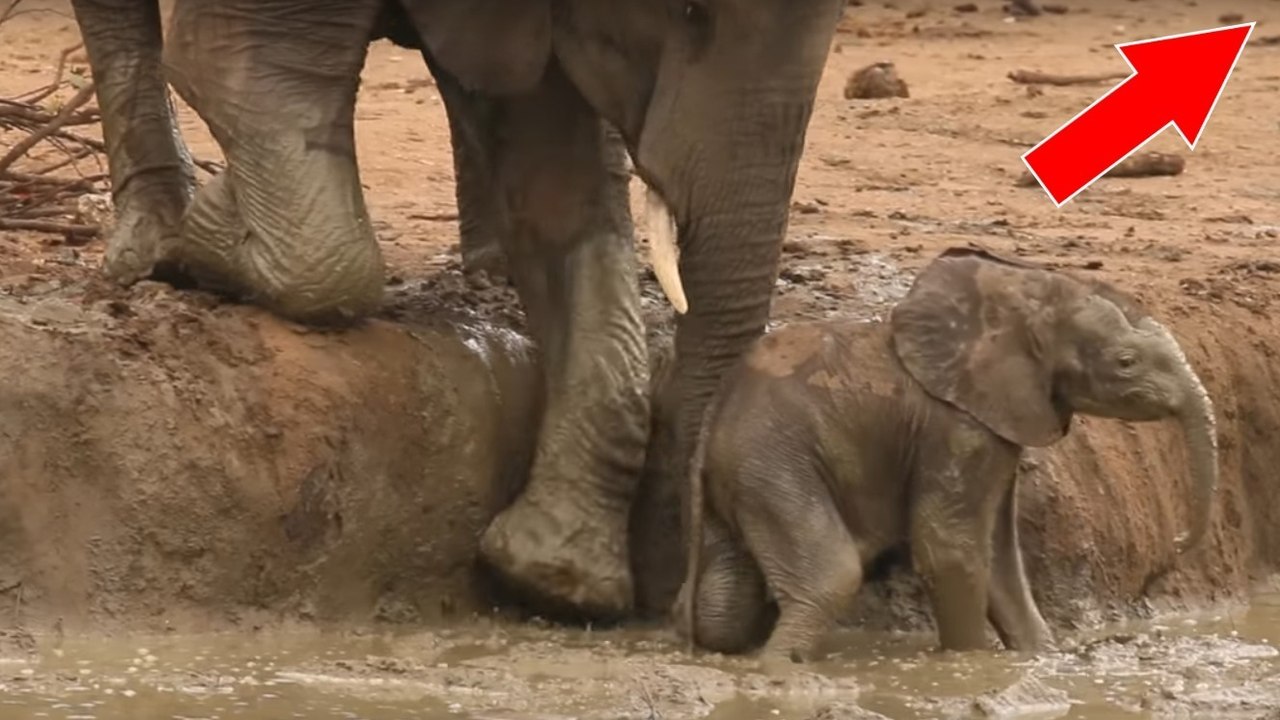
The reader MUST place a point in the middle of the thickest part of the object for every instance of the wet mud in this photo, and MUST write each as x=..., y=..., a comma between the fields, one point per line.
x=1216, y=665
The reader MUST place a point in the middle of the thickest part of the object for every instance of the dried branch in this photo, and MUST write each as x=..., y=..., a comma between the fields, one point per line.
x=8, y=10
x=1139, y=165
x=48, y=129
x=1035, y=77
x=51, y=197
x=48, y=226
x=41, y=93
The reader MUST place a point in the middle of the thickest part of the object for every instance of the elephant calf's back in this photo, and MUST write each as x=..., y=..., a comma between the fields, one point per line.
x=825, y=403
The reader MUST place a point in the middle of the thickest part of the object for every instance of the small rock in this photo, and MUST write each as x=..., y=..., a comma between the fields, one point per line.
x=875, y=81
x=966, y=7
x=1028, y=695
x=1023, y=8
x=803, y=274
x=804, y=208
x=1230, y=18
x=846, y=711
x=96, y=209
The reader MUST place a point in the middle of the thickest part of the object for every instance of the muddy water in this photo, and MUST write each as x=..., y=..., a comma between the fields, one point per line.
x=1222, y=665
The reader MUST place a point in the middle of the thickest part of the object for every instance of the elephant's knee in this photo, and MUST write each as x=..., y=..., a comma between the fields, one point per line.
x=342, y=286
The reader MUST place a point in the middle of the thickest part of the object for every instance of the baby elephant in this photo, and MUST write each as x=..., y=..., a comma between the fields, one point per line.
x=832, y=442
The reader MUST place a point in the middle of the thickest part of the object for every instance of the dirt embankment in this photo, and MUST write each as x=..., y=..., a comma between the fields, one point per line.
x=163, y=459
x=168, y=459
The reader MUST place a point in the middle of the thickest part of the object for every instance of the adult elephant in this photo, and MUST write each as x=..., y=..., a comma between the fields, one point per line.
x=710, y=97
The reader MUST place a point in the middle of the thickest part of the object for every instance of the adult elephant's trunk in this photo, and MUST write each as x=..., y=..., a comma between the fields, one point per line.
x=731, y=204
x=713, y=100
x=1195, y=415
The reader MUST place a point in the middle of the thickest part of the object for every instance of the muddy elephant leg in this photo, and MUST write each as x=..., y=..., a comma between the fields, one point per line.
x=733, y=614
x=951, y=549
x=808, y=558
x=152, y=178
x=286, y=225
x=561, y=189
x=471, y=119
x=1013, y=610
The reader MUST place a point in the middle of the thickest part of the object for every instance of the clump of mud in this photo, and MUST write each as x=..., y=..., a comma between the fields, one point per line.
x=876, y=81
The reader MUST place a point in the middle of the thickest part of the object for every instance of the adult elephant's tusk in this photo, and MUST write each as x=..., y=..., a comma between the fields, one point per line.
x=664, y=254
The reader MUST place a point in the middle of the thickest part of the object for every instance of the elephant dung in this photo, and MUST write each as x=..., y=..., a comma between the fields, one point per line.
x=876, y=81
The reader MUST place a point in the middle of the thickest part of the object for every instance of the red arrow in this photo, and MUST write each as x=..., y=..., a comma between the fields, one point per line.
x=1176, y=80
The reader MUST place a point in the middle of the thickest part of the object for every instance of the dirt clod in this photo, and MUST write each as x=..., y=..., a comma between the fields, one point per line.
x=875, y=81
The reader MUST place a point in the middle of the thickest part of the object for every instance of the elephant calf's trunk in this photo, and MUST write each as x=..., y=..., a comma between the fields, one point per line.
x=1200, y=432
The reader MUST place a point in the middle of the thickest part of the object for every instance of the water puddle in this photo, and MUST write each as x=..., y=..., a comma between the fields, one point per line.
x=1223, y=665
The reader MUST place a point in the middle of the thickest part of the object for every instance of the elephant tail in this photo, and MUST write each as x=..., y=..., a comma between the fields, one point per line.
x=694, y=547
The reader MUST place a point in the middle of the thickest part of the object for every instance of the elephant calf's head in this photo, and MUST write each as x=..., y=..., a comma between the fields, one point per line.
x=1021, y=347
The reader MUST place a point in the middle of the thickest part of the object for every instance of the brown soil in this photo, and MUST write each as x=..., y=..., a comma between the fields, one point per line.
x=166, y=458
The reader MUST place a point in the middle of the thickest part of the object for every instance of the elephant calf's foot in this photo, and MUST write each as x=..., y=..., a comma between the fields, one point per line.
x=778, y=665
x=562, y=556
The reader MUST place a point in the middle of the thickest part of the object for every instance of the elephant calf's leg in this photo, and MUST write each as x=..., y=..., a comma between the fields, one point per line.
x=1013, y=610
x=286, y=225
x=152, y=179
x=808, y=557
x=561, y=186
x=952, y=555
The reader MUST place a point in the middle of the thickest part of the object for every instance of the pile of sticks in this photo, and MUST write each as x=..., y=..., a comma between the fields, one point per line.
x=42, y=197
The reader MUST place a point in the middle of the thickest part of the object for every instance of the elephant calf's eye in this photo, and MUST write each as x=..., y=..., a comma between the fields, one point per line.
x=1127, y=361
x=695, y=12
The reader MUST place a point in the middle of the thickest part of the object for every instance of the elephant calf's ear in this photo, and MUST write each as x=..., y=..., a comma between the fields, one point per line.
x=962, y=332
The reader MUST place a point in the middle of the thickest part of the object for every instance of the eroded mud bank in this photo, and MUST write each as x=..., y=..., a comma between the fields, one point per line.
x=166, y=460
x=163, y=460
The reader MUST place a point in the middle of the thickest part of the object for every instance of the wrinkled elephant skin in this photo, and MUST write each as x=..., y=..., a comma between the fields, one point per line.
x=545, y=99
x=834, y=442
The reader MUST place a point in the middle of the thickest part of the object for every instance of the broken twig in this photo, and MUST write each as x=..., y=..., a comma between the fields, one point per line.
x=48, y=226
x=1035, y=77
x=49, y=128
x=1143, y=164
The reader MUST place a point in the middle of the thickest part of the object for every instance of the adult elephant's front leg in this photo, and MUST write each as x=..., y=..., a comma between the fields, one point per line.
x=286, y=225
x=560, y=185
x=152, y=179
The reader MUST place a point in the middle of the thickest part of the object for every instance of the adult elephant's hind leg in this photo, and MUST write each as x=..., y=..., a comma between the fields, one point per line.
x=152, y=179
x=286, y=225
x=561, y=186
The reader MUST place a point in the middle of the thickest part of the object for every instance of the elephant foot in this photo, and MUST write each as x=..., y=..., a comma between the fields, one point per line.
x=778, y=665
x=563, y=557
x=140, y=247
x=488, y=258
